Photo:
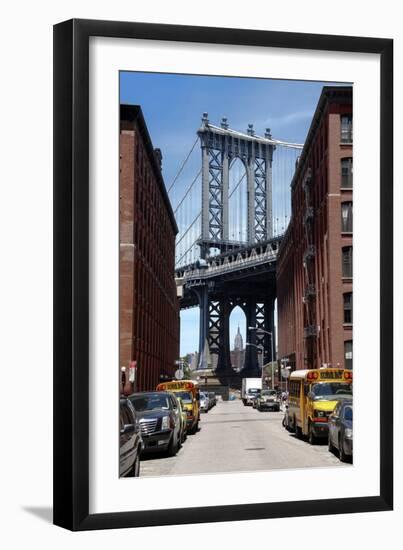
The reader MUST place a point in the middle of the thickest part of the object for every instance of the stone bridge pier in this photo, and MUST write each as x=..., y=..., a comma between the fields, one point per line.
x=216, y=304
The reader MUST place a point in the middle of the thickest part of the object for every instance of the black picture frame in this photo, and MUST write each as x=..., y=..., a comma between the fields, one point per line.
x=71, y=274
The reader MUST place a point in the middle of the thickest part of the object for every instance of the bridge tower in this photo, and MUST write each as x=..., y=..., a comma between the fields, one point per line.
x=220, y=146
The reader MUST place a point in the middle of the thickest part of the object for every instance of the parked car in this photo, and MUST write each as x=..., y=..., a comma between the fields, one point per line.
x=184, y=418
x=204, y=402
x=251, y=395
x=212, y=398
x=340, y=434
x=249, y=388
x=188, y=391
x=130, y=441
x=160, y=420
x=268, y=400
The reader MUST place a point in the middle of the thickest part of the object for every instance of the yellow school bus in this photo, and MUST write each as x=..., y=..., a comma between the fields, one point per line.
x=188, y=391
x=313, y=395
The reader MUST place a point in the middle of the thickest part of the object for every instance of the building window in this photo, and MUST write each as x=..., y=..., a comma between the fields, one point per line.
x=348, y=307
x=347, y=217
x=347, y=261
x=348, y=354
x=346, y=129
x=347, y=173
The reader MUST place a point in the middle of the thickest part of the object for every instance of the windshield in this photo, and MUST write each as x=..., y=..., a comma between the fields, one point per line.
x=348, y=414
x=268, y=392
x=331, y=390
x=150, y=402
x=185, y=396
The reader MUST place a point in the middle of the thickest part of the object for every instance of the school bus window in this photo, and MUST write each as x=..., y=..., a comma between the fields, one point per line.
x=330, y=389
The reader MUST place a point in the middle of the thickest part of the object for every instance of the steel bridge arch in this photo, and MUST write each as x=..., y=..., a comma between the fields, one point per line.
x=219, y=146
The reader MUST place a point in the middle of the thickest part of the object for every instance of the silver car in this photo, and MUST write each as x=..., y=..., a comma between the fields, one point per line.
x=204, y=402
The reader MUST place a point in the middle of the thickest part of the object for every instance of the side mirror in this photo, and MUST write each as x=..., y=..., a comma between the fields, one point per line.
x=127, y=429
x=311, y=395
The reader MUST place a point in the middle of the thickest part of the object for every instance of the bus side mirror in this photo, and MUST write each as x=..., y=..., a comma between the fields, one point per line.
x=311, y=395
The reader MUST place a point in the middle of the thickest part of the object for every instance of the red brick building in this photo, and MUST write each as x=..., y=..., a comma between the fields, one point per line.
x=149, y=309
x=314, y=275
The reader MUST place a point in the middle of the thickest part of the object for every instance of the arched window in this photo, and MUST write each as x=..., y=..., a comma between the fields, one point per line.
x=237, y=322
x=237, y=201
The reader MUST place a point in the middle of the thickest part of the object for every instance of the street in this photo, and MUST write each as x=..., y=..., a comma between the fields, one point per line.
x=237, y=438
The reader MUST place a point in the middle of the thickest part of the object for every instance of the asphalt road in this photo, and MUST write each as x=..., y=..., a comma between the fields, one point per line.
x=237, y=438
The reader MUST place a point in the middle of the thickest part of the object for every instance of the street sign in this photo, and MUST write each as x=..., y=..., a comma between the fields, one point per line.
x=285, y=373
x=179, y=374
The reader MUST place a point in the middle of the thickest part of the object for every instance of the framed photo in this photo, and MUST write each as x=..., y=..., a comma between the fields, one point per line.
x=204, y=274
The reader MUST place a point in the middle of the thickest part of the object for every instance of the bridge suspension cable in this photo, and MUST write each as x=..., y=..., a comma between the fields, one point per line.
x=189, y=228
x=187, y=209
x=284, y=163
x=187, y=191
x=237, y=185
x=178, y=262
x=183, y=165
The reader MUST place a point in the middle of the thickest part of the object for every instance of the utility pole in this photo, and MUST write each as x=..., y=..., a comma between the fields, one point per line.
x=272, y=350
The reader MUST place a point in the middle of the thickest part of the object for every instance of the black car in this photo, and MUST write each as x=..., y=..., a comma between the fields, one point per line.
x=160, y=420
x=340, y=424
x=130, y=440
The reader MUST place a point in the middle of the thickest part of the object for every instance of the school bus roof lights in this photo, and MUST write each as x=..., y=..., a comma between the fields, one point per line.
x=321, y=375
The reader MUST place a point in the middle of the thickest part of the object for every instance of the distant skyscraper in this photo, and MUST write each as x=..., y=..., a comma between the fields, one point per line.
x=238, y=353
x=238, y=342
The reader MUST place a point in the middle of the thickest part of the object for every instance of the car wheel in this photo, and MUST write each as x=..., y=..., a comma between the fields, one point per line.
x=136, y=466
x=342, y=454
x=173, y=446
x=311, y=436
x=330, y=445
x=135, y=470
x=195, y=428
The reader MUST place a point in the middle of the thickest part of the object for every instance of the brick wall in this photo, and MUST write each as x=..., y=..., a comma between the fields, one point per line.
x=316, y=185
x=149, y=309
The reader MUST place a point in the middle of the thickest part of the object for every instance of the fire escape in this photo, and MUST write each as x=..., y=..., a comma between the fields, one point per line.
x=310, y=327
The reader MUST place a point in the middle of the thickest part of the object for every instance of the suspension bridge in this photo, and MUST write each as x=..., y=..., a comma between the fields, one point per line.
x=232, y=209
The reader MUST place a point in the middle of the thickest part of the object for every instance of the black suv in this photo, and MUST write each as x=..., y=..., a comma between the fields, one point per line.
x=130, y=440
x=160, y=421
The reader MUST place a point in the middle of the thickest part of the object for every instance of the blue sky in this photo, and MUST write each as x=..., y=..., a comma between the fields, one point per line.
x=173, y=105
